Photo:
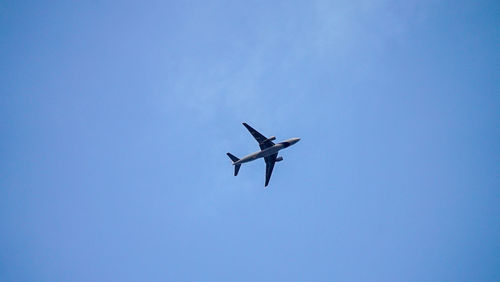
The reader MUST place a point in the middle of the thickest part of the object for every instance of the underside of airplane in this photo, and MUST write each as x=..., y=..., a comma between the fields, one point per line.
x=268, y=151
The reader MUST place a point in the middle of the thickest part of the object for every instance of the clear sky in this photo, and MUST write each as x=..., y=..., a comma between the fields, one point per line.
x=115, y=120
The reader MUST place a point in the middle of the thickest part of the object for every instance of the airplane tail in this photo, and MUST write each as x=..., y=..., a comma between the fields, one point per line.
x=236, y=166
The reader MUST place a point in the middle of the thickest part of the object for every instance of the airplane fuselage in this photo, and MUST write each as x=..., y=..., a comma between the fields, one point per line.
x=268, y=151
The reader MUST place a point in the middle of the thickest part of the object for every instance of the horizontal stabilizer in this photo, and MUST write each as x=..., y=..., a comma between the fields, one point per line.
x=234, y=159
x=236, y=169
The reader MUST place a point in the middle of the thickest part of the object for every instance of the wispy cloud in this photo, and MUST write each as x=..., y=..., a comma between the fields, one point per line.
x=232, y=82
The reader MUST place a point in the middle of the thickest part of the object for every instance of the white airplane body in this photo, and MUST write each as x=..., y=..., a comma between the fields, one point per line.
x=269, y=151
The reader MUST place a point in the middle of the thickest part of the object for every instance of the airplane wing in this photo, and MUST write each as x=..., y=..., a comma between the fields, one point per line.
x=270, y=161
x=261, y=139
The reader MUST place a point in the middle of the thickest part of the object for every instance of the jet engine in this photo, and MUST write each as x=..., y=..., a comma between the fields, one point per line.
x=279, y=159
x=269, y=139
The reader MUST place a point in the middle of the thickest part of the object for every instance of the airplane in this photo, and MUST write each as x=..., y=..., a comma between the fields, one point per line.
x=268, y=151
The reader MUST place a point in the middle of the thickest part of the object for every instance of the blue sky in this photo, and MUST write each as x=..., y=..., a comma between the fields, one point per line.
x=115, y=118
